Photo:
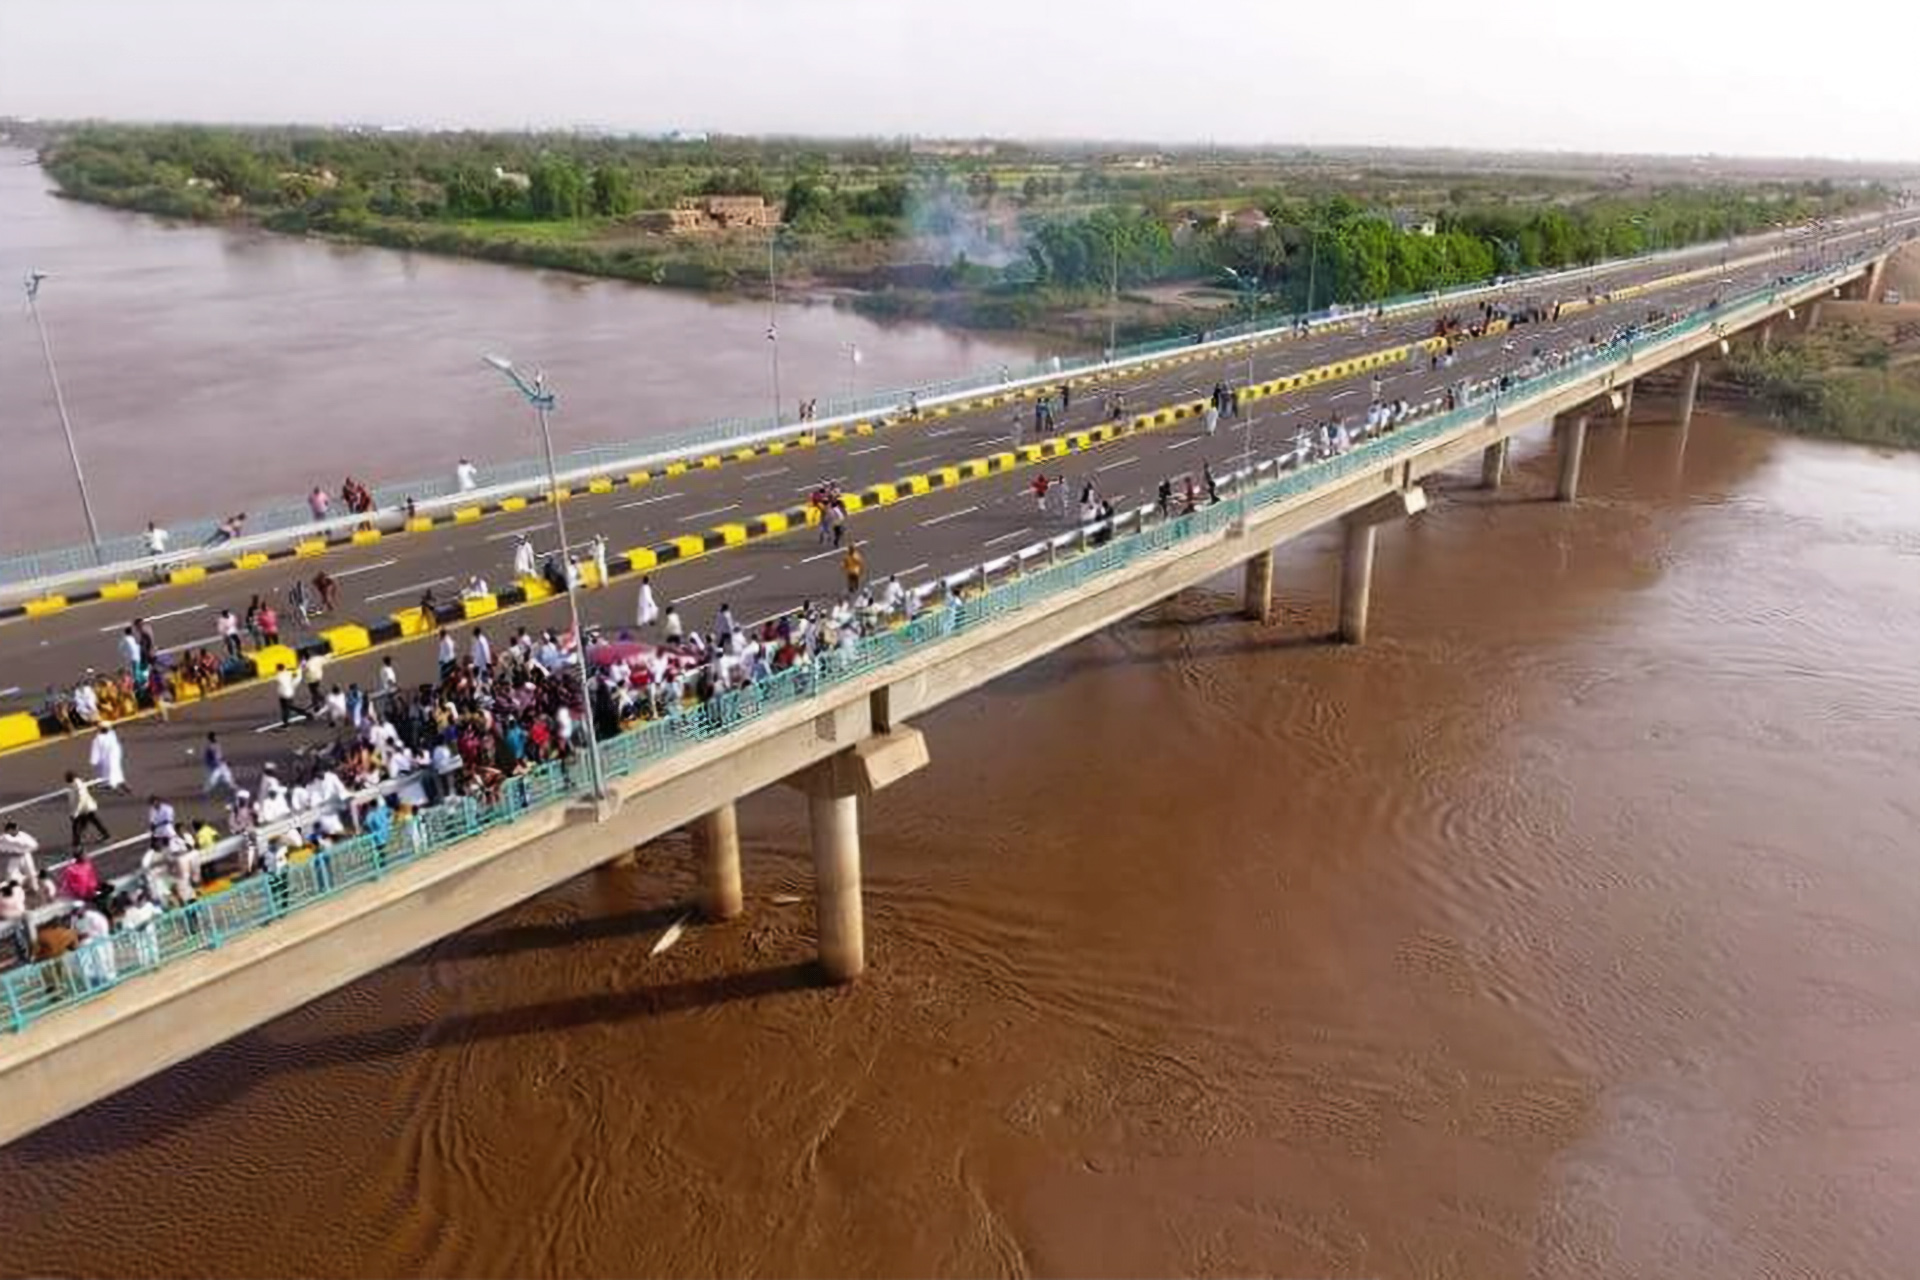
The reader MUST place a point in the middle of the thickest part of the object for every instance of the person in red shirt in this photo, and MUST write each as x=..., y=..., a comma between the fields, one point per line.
x=79, y=879
x=269, y=623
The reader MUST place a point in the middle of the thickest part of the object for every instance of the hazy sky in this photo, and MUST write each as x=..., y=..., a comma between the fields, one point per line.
x=1627, y=75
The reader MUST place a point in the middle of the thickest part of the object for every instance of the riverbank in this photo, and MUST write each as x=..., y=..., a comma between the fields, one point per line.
x=861, y=275
x=1855, y=378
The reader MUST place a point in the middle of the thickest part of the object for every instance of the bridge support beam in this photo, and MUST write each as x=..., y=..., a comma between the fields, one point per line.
x=834, y=788
x=1626, y=405
x=716, y=838
x=1766, y=335
x=1573, y=446
x=1813, y=315
x=1689, y=391
x=1870, y=283
x=1258, y=605
x=1493, y=464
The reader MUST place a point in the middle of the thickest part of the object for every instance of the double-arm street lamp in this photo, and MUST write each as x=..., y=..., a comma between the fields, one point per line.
x=542, y=399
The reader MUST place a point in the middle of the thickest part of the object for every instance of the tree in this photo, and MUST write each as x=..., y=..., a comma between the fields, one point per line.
x=613, y=192
x=557, y=191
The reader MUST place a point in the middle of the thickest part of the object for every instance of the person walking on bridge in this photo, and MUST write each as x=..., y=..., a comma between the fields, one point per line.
x=647, y=611
x=855, y=567
x=328, y=591
x=83, y=810
x=600, y=559
x=523, y=563
x=219, y=772
x=467, y=475
x=108, y=759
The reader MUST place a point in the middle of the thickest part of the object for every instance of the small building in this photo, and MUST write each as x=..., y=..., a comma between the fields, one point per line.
x=728, y=213
x=1249, y=221
x=671, y=221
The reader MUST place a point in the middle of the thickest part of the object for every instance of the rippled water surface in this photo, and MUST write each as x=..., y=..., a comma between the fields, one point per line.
x=1571, y=928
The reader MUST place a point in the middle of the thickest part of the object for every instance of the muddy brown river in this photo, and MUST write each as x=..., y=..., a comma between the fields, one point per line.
x=1569, y=929
x=1566, y=930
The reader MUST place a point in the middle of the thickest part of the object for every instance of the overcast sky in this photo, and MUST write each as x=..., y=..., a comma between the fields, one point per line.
x=1763, y=78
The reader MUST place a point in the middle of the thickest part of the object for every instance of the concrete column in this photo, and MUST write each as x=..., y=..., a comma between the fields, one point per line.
x=1626, y=406
x=1813, y=315
x=1356, y=582
x=1688, y=391
x=1573, y=444
x=716, y=837
x=1259, y=592
x=1493, y=464
x=836, y=884
x=1766, y=336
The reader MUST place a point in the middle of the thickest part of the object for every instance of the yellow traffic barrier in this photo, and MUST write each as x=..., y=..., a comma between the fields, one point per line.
x=479, y=606
x=45, y=605
x=413, y=622
x=691, y=545
x=18, y=729
x=536, y=588
x=467, y=515
x=365, y=537
x=600, y=484
x=251, y=560
x=274, y=657
x=124, y=589
x=513, y=504
x=189, y=573
x=731, y=535
x=349, y=638
x=642, y=558
x=419, y=524
x=884, y=493
x=309, y=548
x=775, y=521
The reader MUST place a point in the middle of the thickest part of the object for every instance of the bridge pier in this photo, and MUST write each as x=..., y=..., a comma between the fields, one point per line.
x=1258, y=605
x=1766, y=336
x=1689, y=391
x=1626, y=405
x=1356, y=581
x=1573, y=446
x=833, y=789
x=838, y=915
x=1356, y=557
x=716, y=838
x=1493, y=464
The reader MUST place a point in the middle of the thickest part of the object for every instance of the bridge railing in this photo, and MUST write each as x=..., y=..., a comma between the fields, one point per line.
x=31, y=992
x=288, y=514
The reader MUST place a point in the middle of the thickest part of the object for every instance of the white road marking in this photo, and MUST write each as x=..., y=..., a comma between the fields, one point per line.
x=915, y=461
x=717, y=511
x=904, y=572
x=365, y=568
x=154, y=617
x=9, y=691
x=707, y=591
x=950, y=431
x=514, y=533
x=990, y=542
x=1124, y=462
x=951, y=515
x=418, y=586
x=873, y=448
x=834, y=552
x=1336, y=395
x=190, y=644
x=809, y=488
x=647, y=502
x=1181, y=444
x=762, y=475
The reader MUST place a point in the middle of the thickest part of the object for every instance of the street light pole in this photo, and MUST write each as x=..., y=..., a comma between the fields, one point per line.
x=773, y=320
x=1113, y=287
x=60, y=403
x=542, y=400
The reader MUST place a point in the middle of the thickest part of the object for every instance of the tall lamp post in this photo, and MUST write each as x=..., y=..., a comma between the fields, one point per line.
x=536, y=393
x=60, y=403
x=773, y=319
x=1246, y=286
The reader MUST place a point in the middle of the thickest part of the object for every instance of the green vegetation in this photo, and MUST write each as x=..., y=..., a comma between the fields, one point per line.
x=1845, y=382
x=990, y=235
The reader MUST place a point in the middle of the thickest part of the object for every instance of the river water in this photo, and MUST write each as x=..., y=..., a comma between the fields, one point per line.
x=1570, y=928
x=206, y=370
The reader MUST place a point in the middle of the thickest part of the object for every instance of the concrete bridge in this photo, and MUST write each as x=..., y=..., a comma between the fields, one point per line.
x=840, y=734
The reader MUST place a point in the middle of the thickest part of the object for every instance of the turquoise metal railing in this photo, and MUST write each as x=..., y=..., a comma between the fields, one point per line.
x=32, y=991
